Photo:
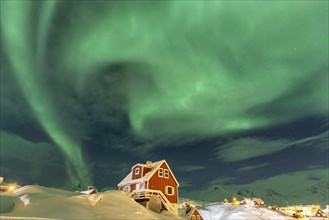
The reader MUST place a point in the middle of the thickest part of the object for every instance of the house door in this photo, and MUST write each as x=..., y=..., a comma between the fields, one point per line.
x=140, y=186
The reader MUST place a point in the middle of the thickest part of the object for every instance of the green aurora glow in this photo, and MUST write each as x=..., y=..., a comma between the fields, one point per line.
x=217, y=66
x=27, y=63
x=212, y=62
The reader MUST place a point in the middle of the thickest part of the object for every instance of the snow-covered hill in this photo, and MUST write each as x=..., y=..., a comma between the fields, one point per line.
x=228, y=212
x=296, y=194
x=41, y=202
x=36, y=202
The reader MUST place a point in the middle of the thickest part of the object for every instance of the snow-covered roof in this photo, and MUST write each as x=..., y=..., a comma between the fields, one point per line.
x=154, y=166
x=182, y=213
x=128, y=179
x=88, y=192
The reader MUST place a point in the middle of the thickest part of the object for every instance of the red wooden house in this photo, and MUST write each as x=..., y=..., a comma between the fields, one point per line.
x=194, y=215
x=152, y=179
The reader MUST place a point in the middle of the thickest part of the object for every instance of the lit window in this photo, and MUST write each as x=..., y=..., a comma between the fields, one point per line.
x=198, y=217
x=137, y=171
x=160, y=172
x=193, y=217
x=170, y=190
x=166, y=173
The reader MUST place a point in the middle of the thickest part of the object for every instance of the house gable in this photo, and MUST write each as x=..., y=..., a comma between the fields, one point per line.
x=167, y=185
x=194, y=215
x=146, y=170
x=156, y=168
x=137, y=172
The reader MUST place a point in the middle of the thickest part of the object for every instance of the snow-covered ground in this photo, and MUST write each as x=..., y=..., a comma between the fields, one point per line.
x=216, y=211
x=36, y=202
x=33, y=202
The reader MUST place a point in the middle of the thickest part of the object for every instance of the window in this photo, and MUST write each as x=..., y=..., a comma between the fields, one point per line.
x=137, y=171
x=198, y=217
x=126, y=189
x=170, y=190
x=160, y=172
x=193, y=217
x=166, y=173
x=141, y=185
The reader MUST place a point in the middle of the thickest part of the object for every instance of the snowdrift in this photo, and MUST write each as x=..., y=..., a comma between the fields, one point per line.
x=217, y=211
x=42, y=203
x=33, y=202
x=7, y=203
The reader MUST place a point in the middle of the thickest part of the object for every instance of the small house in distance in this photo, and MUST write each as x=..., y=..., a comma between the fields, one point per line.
x=258, y=201
x=152, y=180
x=190, y=213
x=194, y=215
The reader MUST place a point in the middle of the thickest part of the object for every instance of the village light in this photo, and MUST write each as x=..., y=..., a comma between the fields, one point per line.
x=11, y=187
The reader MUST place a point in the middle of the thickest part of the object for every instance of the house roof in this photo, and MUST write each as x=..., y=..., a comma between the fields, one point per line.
x=128, y=179
x=258, y=200
x=182, y=213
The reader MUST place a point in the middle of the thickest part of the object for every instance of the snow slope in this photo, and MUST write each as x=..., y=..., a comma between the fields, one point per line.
x=294, y=194
x=41, y=202
x=216, y=211
x=36, y=202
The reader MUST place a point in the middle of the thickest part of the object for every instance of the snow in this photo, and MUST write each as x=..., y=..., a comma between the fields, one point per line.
x=42, y=202
x=216, y=211
x=7, y=203
x=24, y=199
x=128, y=179
x=37, y=202
x=88, y=192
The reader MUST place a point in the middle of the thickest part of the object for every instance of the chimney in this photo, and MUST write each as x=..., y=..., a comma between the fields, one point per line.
x=148, y=162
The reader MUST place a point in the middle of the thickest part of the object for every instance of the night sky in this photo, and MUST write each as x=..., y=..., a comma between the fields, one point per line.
x=230, y=93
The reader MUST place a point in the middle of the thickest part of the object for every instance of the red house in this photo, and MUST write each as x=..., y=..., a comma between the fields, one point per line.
x=190, y=214
x=152, y=179
x=194, y=215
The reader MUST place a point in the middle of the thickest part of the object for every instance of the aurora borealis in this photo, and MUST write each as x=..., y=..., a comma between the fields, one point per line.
x=218, y=88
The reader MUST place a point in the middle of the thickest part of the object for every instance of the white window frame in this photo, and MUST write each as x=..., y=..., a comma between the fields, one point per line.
x=198, y=217
x=160, y=169
x=193, y=217
x=142, y=185
x=126, y=188
x=173, y=190
x=166, y=173
x=137, y=171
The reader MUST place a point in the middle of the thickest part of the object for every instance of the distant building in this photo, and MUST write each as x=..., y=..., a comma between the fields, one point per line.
x=245, y=201
x=192, y=214
x=149, y=179
x=258, y=201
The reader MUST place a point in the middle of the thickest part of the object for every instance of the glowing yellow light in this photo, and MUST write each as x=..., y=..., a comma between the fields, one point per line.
x=11, y=187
